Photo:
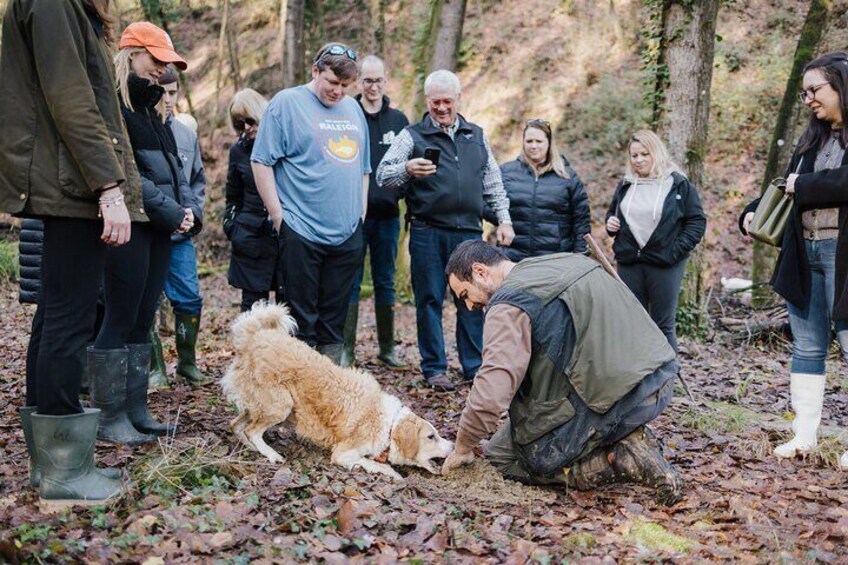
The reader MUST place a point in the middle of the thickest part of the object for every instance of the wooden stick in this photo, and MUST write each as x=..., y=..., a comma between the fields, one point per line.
x=601, y=257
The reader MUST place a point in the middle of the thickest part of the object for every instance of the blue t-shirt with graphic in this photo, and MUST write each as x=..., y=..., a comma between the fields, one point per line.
x=319, y=155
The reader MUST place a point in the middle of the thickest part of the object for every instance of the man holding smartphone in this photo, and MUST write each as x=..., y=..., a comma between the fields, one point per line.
x=444, y=207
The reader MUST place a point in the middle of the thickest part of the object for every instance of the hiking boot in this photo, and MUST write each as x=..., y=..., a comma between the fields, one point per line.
x=348, y=357
x=137, y=382
x=331, y=350
x=158, y=371
x=386, y=336
x=439, y=382
x=592, y=471
x=638, y=458
x=187, y=327
x=108, y=370
x=65, y=451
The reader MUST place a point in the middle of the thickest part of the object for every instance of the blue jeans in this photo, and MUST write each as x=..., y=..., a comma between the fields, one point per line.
x=182, y=286
x=811, y=326
x=381, y=238
x=429, y=250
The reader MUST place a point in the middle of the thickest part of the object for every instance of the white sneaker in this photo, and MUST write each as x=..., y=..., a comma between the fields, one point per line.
x=807, y=394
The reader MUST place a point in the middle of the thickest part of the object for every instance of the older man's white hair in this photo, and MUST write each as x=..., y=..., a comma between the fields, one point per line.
x=442, y=79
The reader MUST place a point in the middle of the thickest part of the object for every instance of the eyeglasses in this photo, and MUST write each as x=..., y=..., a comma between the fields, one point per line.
x=240, y=124
x=337, y=50
x=809, y=94
x=539, y=122
x=372, y=81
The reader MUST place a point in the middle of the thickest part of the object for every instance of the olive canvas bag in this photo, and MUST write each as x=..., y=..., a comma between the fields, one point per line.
x=772, y=212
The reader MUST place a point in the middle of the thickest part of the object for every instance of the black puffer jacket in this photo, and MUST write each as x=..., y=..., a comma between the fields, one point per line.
x=681, y=227
x=549, y=214
x=165, y=190
x=29, y=257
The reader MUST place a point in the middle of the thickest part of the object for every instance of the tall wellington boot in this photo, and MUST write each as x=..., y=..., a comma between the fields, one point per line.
x=386, y=336
x=348, y=357
x=333, y=351
x=108, y=370
x=137, y=382
x=187, y=327
x=638, y=458
x=158, y=371
x=65, y=452
x=807, y=395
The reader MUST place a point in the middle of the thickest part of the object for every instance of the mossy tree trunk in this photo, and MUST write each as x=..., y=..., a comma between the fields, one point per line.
x=291, y=41
x=448, y=35
x=686, y=55
x=783, y=139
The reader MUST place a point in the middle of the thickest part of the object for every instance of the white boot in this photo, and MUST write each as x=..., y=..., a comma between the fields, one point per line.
x=807, y=394
x=843, y=461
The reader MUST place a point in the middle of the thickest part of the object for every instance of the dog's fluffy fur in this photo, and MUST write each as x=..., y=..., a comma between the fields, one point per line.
x=275, y=377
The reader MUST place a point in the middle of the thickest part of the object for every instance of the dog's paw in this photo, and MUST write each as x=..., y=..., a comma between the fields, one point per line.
x=276, y=458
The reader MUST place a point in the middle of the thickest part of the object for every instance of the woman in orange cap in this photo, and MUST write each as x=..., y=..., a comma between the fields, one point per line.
x=135, y=273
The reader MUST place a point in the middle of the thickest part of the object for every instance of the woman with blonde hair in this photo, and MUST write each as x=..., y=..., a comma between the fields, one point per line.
x=135, y=273
x=656, y=219
x=547, y=202
x=255, y=251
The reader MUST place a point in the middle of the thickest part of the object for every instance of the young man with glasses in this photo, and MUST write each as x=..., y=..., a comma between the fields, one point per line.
x=311, y=162
x=445, y=207
x=382, y=224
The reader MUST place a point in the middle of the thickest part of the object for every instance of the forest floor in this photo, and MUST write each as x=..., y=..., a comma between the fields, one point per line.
x=202, y=498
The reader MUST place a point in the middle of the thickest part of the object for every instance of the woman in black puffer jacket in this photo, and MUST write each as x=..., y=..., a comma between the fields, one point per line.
x=254, y=259
x=135, y=273
x=547, y=201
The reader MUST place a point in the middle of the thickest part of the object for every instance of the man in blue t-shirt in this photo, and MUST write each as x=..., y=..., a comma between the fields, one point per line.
x=311, y=162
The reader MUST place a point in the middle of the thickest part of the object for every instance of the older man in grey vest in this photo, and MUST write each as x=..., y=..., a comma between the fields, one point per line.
x=579, y=397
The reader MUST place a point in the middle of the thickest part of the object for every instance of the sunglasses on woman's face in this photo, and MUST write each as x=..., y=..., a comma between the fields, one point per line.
x=240, y=124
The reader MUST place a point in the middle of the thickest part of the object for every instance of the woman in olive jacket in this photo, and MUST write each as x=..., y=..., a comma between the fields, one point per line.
x=656, y=219
x=135, y=274
x=65, y=158
x=547, y=202
x=254, y=259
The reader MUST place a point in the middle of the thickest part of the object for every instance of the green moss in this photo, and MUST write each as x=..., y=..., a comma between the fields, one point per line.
x=656, y=537
x=8, y=261
x=582, y=540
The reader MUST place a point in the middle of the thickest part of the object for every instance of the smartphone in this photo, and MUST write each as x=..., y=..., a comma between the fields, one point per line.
x=432, y=154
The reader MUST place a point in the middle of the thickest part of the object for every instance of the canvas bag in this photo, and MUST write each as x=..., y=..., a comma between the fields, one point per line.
x=772, y=212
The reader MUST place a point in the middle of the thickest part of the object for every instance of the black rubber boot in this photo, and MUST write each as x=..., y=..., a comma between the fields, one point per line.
x=638, y=458
x=138, y=362
x=333, y=351
x=386, y=336
x=108, y=370
x=187, y=327
x=65, y=451
x=158, y=371
x=348, y=357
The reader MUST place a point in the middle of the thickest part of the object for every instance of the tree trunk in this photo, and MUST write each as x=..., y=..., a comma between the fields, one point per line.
x=222, y=37
x=422, y=56
x=378, y=24
x=448, y=35
x=235, y=66
x=783, y=139
x=688, y=49
x=291, y=41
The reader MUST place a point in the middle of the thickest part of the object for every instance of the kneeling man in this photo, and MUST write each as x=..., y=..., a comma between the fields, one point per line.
x=577, y=362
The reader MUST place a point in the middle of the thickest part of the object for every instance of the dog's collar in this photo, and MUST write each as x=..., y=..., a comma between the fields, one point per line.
x=384, y=456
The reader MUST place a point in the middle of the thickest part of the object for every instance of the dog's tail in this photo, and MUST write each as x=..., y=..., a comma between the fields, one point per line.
x=263, y=316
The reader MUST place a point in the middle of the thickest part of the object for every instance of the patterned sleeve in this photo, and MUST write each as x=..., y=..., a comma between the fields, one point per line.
x=391, y=172
x=493, y=189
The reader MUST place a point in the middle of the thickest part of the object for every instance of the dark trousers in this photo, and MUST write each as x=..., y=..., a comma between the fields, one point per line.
x=429, y=249
x=250, y=297
x=317, y=279
x=72, y=263
x=657, y=288
x=381, y=239
x=134, y=280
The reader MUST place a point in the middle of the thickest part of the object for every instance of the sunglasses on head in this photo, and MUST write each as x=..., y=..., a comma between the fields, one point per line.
x=240, y=123
x=338, y=50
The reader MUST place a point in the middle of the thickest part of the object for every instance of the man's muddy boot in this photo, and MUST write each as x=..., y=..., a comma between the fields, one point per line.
x=638, y=458
x=593, y=471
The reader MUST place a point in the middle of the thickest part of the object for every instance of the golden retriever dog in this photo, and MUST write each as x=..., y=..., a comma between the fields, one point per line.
x=276, y=378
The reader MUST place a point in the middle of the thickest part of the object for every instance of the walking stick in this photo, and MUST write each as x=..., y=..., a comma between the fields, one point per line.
x=601, y=257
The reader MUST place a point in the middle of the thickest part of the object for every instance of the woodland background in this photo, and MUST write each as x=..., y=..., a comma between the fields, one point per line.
x=717, y=78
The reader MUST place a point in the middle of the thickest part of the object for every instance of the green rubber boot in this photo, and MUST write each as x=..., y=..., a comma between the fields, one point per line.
x=348, y=357
x=333, y=351
x=137, y=383
x=386, y=336
x=65, y=452
x=187, y=326
x=158, y=371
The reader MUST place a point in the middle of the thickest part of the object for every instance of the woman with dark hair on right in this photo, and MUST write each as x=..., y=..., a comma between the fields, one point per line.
x=812, y=269
x=253, y=263
x=65, y=158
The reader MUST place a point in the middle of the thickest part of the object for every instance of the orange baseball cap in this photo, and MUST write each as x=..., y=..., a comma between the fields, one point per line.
x=155, y=40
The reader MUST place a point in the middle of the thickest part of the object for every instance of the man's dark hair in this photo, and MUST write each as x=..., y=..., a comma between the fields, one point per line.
x=169, y=76
x=343, y=66
x=469, y=252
